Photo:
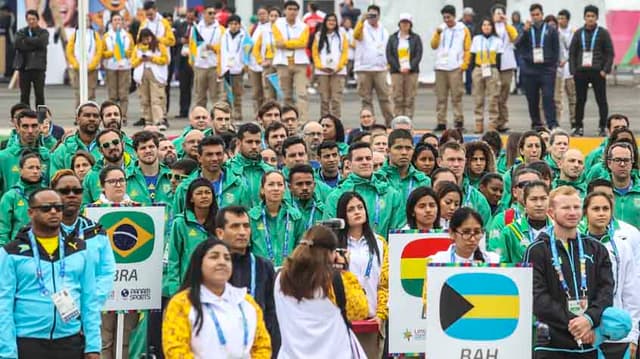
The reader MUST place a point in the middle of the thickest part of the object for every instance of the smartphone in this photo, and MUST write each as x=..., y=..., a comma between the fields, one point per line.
x=42, y=113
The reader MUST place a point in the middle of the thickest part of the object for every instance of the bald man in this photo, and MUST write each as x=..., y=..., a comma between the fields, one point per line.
x=199, y=119
x=312, y=132
x=190, y=144
x=571, y=172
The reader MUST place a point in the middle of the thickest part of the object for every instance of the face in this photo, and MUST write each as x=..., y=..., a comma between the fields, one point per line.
x=444, y=177
x=202, y=197
x=468, y=235
x=453, y=160
x=487, y=28
x=31, y=170
x=236, y=232
x=150, y=14
x=167, y=150
x=498, y=15
x=234, y=26
x=273, y=188
x=448, y=204
x=328, y=129
x=449, y=19
x=81, y=166
x=590, y=19
x=425, y=212
x=212, y=158
x=532, y=149
x=115, y=186
x=606, y=190
x=29, y=130
x=563, y=22
x=302, y=186
x=291, y=12
x=111, y=147
x=361, y=162
x=272, y=115
x=250, y=145
x=536, y=15
x=405, y=26
x=111, y=118
x=199, y=119
x=276, y=138
x=269, y=157
x=313, y=135
x=89, y=120
x=478, y=163
x=147, y=152
x=425, y=162
x=330, y=160
x=433, y=141
x=356, y=214
x=273, y=16
x=373, y=20
x=221, y=121
x=216, y=266
x=70, y=190
x=296, y=155
x=617, y=123
x=573, y=164
x=566, y=211
x=378, y=160
x=599, y=212
x=116, y=22
x=492, y=191
x=366, y=118
x=380, y=143
x=43, y=212
x=620, y=163
x=559, y=147
x=32, y=21
x=177, y=176
x=521, y=182
x=263, y=15
x=332, y=23
x=191, y=142
x=537, y=204
x=401, y=152
x=209, y=15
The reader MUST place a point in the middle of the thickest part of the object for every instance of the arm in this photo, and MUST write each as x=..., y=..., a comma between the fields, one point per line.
x=256, y=50
x=472, y=61
x=107, y=267
x=358, y=32
x=97, y=56
x=603, y=297
x=90, y=307
x=300, y=42
x=392, y=56
x=416, y=55
x=261, y=348
x=169, y=39
x=39, y=42
x=173, y=278
x=163, y=58
x=357, y=305
x=573, y=54
x=176, y=328
x=555, y=47
x=270, y=318
x=512, y=32
x=607, y=52
x=498, y=63
x=6, y=206
x=8, y=347
x=106, y=53
x=315, y=54
x=382, y=311
x=435, y=40
x=466, y=49
x=218, y=42
x=344, y=55
x=70, y=52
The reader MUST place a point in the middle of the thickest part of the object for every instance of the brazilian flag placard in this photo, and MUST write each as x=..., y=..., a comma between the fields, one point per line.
x=132, y=235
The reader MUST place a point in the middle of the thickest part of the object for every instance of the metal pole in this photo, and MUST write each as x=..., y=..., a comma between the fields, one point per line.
x=119, y=335
x=83, y=10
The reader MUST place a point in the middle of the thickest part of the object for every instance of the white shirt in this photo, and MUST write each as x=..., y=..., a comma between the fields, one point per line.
x=445, y=257
x=359, y=257
x=508, y=59
x=263, y=30
x=160, y=72
x=451, y=48
x=289, y=32
x=232, y=53
x=565, y=36
x=211, y=35
x=371, y=50
x=330, y=57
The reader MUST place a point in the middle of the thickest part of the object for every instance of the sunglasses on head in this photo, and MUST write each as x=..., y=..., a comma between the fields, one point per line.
x=115, y=142
x=45, y=208
x=68, y=191
x=177, y=176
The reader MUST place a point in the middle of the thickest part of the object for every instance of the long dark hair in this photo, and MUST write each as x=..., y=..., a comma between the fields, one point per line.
x=153, y=45
x=323, y=32
x=415, y=196
x=210, y=223
x=511, y=149
x=337, y=124
x=193, y=278
x=367, y=232
x=523, y=138
x=471, y=148
x=425, y=147
x=459, y=216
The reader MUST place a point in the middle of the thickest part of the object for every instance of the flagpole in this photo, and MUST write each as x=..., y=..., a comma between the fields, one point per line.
x=82, y=61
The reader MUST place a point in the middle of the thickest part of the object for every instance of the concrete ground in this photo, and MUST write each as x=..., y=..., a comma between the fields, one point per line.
x=622, y=99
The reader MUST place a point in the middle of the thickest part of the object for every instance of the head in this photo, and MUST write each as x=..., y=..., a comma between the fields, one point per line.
x=234, y=23
x=272, y=187
x=565, y=207
x=402, y=123
x=424, y=158
x=148, y=38
x=406, y=23
x=268, y=113
x=380, y=142
x=28, y=128
x=601, y=185
x=150, y=10
x=531, y=146
x=379, y=159
x=423, y=209
x=515, y=17
x=116, y=20
x=221, y=114
x=113, y=181
x=250, y=140
x=352, y=209
x=551, y=21
x=111, y=146
x=564, y=16
x=498, y=13
x=591, y=15
x=332, y=128
x=451, y=135
x=88, y=118
x=448, y=13
x=542, y=167
x=373, y=15
x=191, y=142
x=535, y=12
x=620, y=160
x=211, y=154
x=453, y=156
x=275, y=134
x=232, y=227
x=330, y=22
x=512, y=147
x=167, y=152
x=572, y=164
x=30, y=167
x=16, y=110
x=263, y=14
x=521, y=178
x=624, y=135
x=199, y=118
x=291, y=9
x=111, y=115
x=70, y=189
x=32, y=18
x=450, y=197
x=366, y=118
x=329, y=156
x=468, y=14
x=480, y=159
x=146, y=145
x=201, y=198
x=536, y=200
x=270, y=157
x=302, y=182
x=313, y=135
x=81, y=163
x=493, y=139
x=431, y=139
x=360, y=158
x=440, y=175
x=290, y=119
x=492, y=186
x=180, y=170
x=598, y=209
x=400, y=148
x=466, y=229
x=209, y=15
x=617, y=121
x=488, y=27
x=45, y=210
x=294, y=152
x=545, y=135
x=558, y=143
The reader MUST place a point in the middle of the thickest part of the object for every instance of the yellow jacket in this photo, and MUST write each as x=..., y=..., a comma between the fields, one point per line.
x=344, y=54
x=466, y=47
x=168, y=38
x=106, y=54
x=357, y=304
x=97, y=54
x=162, y=59
x=382, y=311
x=176, y=330
x=269, y=52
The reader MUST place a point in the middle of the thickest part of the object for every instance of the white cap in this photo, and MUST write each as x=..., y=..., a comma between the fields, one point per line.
x=405, y=16
x=468, y=11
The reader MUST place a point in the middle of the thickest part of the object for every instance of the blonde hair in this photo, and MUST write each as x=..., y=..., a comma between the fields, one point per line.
x=562, y=191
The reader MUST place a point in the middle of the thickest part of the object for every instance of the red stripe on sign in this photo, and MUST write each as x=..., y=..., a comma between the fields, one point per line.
x=422, y=248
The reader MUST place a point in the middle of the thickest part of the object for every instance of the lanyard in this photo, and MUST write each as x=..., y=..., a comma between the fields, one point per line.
x=372, y=34
x=252, y=285
x=221, y=337
x=330, y=40
x=217, y=185
x=558, y=267
x=410, y=186
x=533, y=36
x=267, y=237
x=616, y=255
x=593, y=39
x=36, y=257
x=376, y=218
x=313, y=212
x=230, y=38
x=484, y=41
x=367, y=272
x=453, y=255
x=467, y=198
x=453, y=35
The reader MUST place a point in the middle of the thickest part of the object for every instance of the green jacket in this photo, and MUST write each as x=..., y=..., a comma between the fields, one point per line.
x=384, y=203
x=413, y=180
x=343, y=149
x=186, y=234
x=281, y=233
x=594, y=157
x=61, y=157
x=627, y=205
x=513, y=241
x=555, y=170
x=49, y=142
x=472, y=181
x=234, y=191
x=251, y=172
x=501, y=162
x=180, y=139
x=14, y=205
x=321, y=190
x=139, y=192
x=506, y=193
x=473, y=198
x=314, y=206
x=498, y=223
x=10, y=165
x=91, y=182
x=578, y=184
x=598, y=170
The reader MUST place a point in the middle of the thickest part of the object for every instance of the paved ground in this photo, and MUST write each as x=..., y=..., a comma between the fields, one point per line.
x=623, y=99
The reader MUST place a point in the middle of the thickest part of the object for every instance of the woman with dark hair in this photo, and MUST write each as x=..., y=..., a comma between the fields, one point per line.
x=450, y=197
x=467, y=230
x=423, y=210
x=508, y=157
x=210, y=318
x=333, y=130
x=599, y=170
x=330, y=52
x=81, y=163
x=315, y=302
x=480, y=161
x=424, y=158
x=531, y=147
x=451, y=134
x=276, y=225
x=113, y=181
x=368, y=260
x=430, y=138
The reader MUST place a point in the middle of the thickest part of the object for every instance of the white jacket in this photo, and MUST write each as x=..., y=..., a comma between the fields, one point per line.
x=232, y=53
x=358, y=262
x=110, y=44
x=282, y=28
x=263, y=30
x=451, y=47
x=211, y=35
x=371, y=49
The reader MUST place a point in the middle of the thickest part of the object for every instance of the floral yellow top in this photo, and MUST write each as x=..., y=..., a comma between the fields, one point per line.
x=357, y=305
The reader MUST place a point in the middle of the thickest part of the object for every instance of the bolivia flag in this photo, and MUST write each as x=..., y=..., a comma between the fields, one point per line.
x=413, y=262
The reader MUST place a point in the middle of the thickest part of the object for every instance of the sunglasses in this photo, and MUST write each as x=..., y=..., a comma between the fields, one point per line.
x=106, y=145
x=177, y=176
x=115, y=181
x=46, y=208
x=68, y=191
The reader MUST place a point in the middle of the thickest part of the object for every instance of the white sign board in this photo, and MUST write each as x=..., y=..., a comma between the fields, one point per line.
x=479, y=312
x=137, y=236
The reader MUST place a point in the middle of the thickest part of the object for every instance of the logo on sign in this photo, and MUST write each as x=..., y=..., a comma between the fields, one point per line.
x=132, y=235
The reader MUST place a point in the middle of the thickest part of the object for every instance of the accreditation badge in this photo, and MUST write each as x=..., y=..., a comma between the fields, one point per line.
x=443, y=57
x=65, y=305
x=578, y=306
x=486, y=70
x=587, y=58
x=538, y=55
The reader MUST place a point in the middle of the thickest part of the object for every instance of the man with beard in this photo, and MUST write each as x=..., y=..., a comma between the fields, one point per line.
x=88, y=119
x=247, y=163
x=294, y=153
x=269, y=113
x=571, y=170
x=199, y=119
x=167, y=152
x=148, y=180
x=190, y=145
x=111, y=116
x=329, y=157
x=302, y=185
x=312, y=132
x=29, y=137
x=274, y=136
x=112, y=149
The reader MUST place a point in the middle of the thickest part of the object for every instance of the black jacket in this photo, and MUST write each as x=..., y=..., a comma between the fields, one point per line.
x=415, y=49
x=602, y=50
x=265, y=274
x=31, y=49
x=550, y=301
x=551, y=51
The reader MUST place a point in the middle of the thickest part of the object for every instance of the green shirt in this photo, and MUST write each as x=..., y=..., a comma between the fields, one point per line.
x=555, y=170
x=14, y=206
x=275, y=238
x=312, y=210
x=513, y=241
x=627, y=206
x=251, y=172
x=594, y=157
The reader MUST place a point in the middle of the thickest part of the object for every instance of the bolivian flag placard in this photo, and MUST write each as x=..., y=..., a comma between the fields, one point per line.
x=479, y=312
x=136, y=236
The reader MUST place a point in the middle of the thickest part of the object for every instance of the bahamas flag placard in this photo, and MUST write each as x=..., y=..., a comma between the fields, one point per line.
x=136, y=235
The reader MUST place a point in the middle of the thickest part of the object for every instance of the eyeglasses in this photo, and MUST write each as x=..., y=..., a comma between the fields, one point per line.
x=116, y=181
x=106, y=145
x=620, y=161
x=68, y=191
x=45, y=208
x=523, y=184
x=177, y=176
x=313, y=134
x=468, y=234
x=200, y=118
x=211, y=12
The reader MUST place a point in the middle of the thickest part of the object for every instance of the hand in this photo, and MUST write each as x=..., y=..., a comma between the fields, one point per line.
x=579, y=326
x=405, y=71
x=184, y=40
x=527, y=25
x=603, y=74
x=210, y=47
x=439, y=30
x=562, y=63
x=266, y=63
x=378, y=321
x=92, y=356
x=589, y=338
x=280, y=44
x=146, y=58
x=634, y=349
x=327, y=70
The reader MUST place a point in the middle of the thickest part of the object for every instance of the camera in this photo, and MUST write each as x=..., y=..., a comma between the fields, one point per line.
x=42, y=113
x=336, y=225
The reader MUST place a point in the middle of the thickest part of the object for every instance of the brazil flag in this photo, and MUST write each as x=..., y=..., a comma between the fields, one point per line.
x=132, y=235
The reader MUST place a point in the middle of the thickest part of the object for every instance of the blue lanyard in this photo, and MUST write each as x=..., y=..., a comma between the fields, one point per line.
x=313, y=212
x=376, y=217
x=230, y=38
x=252, y=284
x=484, y=41
x=611, y=232
x=593, y=39
x=410, y=186
x=467, y=198
x=217, y=185
x=36, y=257
x=453, y=35
x=221, y=337
x=267, y=237
x=533, y=36
x=558, y=267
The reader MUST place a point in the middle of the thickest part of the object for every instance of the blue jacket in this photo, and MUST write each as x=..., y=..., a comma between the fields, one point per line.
x=26, y=313
x=551, y=50
x=99, y=247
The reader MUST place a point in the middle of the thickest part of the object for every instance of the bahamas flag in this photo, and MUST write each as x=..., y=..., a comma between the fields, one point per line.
x=118, y=47
x=413, y=262
x=195, y=40
x=247, y=45
x=132, y=235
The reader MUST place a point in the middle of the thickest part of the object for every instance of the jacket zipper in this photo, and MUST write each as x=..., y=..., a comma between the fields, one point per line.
x=53, y=278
